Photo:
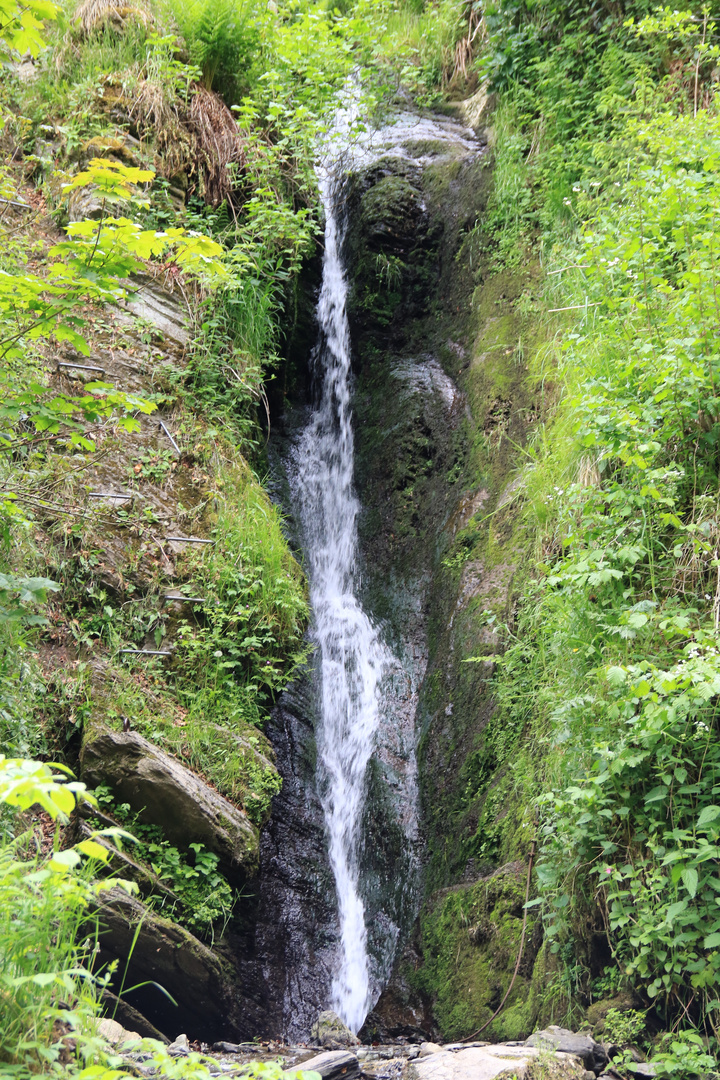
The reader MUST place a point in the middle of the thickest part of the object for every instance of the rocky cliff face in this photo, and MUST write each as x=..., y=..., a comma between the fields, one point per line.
x=439, y=401
x=442, y=409
x=441, y=405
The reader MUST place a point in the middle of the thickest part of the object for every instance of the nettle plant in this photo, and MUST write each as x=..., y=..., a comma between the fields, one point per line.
x=632, y=602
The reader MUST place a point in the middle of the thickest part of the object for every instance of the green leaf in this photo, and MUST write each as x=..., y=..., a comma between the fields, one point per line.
x=707, y=815
x=690, y=880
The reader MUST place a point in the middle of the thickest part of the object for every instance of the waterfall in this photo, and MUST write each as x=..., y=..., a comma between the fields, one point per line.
x=350, y=657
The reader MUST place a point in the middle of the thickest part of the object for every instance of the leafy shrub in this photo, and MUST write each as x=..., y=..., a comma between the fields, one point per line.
x=47, y=930
x=623, y=1027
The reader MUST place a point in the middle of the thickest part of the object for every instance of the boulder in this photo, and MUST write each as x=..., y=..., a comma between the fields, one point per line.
x=163, y=792
x=123, y=1013
x=115, y=1033
x=330, y=1031
x=487, y=1062
x=597, y=1013
x=182, y=983
x=428, y=1048
x=592, y=1054
x=332, y=1065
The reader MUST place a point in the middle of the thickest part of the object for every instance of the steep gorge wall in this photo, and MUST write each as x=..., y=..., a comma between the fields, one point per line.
x=443, y=409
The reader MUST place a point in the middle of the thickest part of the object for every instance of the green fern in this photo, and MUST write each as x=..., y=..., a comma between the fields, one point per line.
x=222, y=38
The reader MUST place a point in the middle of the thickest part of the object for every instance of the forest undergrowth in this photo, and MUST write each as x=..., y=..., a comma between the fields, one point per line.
x=606, y=167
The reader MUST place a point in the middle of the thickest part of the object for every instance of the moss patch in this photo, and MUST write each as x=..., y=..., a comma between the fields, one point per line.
x=470, y=938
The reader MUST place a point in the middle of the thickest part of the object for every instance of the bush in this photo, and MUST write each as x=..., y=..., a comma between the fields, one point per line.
x=47, y=929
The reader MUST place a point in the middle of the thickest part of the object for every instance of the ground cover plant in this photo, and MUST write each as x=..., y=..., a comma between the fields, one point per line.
x=607, y=167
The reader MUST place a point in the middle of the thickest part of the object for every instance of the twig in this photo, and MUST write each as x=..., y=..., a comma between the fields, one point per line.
x=574, y=307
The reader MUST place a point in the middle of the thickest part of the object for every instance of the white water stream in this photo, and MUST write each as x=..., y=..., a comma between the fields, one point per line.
x=351, y=658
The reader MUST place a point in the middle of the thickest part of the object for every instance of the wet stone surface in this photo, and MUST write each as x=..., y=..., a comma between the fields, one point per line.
x=473, y=1061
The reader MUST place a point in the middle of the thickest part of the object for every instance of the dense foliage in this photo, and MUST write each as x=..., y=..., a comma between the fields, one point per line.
x=607, y=165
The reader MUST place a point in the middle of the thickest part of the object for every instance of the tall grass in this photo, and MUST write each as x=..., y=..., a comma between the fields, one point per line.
x=419, y=40
x=47, y=926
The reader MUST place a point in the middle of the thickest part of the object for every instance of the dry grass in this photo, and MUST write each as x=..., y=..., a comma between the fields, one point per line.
x=466, y=50
x=201, y=139
x=588, y=474
x=219, y=144
x=91, y=14
x=159, y=120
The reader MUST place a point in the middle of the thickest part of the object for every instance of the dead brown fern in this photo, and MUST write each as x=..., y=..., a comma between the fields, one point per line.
x=91, y=14
x=220, y=146
x=461, y=70
x=160, y=119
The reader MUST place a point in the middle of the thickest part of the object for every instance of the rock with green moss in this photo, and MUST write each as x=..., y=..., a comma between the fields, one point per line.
x=392, y=249
x=163, y=792
x=470, y=941
x=330, y=1031
x=161, y=958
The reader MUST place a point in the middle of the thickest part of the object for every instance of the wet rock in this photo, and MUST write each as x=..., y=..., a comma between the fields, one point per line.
x=333, y=1065
x=428, y=1048
x=401, y=1011
x=296, y=928
x=642, y=1069
x=330, y=1031
x=591, y=1054
x=486, y=1062
x=163, y=792
x=166, y=958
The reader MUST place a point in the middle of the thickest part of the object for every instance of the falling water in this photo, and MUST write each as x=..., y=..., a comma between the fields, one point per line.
x=350, y=657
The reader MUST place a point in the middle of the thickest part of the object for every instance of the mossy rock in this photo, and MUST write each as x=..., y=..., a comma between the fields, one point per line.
x=470, y=938
x=597, y=1012
x=391, y=250
x=163, y=792
x=154, y=952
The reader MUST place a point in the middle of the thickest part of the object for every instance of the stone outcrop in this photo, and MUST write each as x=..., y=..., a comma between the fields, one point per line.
x=330, y=1031
x=163, y=792
x=169, y=960
x=487, y=1062
x=593, y=1056
x=333, y=1065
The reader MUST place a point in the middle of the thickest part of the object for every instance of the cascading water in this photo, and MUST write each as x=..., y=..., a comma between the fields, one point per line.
x=351, y=659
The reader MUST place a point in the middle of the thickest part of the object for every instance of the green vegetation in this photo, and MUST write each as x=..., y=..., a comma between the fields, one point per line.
x=176, y=142
x=606, y=168
x=46, y=910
